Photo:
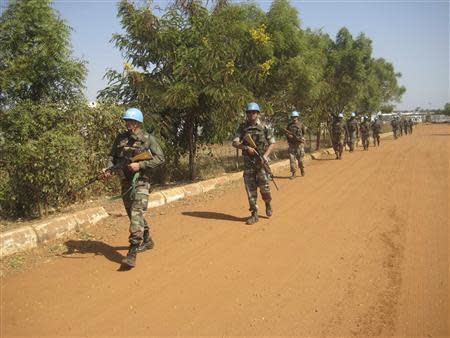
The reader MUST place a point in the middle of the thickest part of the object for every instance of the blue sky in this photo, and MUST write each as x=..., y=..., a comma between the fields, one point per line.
x=413, y=35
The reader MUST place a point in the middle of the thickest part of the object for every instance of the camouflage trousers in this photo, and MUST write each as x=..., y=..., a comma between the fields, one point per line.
x=376, y=138
x=352, y=140
x=254, y=178
x=365, y=140
x=136, y=205
x=338, y=144
x=394, y=131
x=296, y=153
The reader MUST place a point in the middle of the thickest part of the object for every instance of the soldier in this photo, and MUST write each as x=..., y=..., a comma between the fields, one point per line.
x=405, y=125
x=135, y=179
x=410, y=125
x=400, y=125
x=254, y=173
x=352, y=132
x=376, y=129
x=295, y=133
x=394, y=125
x=364, y=129
x=337, y=134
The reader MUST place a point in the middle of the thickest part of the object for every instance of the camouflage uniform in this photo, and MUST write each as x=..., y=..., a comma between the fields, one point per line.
x=364, y=129
x=410, y=125
x=254, y=174
x=337, y=135
x=376, y=129
x=296, y=146
x=352, y=132
x=394, y=124
x=405, y=126
x=135, y=188
x=400, y=126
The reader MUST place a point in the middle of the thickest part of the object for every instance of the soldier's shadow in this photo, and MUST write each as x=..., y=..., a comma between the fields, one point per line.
x=216, y=215
x=94, y=247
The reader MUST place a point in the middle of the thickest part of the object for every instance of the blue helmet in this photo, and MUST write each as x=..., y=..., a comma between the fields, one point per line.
x=133, y=114
x=252, y=106
x=295, y=114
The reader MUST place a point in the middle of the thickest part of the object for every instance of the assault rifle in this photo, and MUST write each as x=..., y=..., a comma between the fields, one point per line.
x=144, y=156
x=290, y=133
x=264, y=162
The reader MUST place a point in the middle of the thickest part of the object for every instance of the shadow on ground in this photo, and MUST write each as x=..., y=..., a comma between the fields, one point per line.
x=214, y=215
x=94, y=247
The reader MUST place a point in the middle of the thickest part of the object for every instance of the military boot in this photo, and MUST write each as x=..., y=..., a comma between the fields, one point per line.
x=302, y=171
x=292, y=175
x=147, y=243
x=268, y=209
x=253, y=218
x=130, y=259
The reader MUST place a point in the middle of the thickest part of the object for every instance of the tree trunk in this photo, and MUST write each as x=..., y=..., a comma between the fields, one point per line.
x=318, y=135
x=192, y=148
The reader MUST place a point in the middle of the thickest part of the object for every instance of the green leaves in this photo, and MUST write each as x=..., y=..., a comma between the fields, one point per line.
x=35, y=56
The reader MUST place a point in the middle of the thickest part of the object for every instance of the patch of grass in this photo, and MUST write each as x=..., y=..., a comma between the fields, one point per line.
x=16, y=262
x=57, y=249
x=84, y=235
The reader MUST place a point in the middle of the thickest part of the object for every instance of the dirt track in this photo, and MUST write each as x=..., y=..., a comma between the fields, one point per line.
x=358, y=247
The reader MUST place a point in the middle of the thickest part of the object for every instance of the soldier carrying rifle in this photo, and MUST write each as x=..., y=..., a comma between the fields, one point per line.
x=256, y=141
x=135, y=178
x=295, y=134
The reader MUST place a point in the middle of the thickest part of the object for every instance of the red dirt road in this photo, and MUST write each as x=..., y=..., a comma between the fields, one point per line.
x=358, y=247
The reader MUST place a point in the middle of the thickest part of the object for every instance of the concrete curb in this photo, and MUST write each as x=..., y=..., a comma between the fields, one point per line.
x=31, y=236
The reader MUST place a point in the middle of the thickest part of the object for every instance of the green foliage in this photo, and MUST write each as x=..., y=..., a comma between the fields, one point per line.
x=35, y=55
x=49, y=150
x=446, y=110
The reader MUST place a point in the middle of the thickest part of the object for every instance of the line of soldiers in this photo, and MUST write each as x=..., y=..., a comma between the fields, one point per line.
x=349, y=132
x=255, y=139
x=401, y=125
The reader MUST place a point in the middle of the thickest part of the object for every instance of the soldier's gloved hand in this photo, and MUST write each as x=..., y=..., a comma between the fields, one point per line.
x=133, y=167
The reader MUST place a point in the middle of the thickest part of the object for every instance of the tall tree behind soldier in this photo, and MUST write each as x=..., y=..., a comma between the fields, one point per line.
x=254, y=173
x=295, y=134
x=135, y=179
x=337, y=134
x=352, y=131
x=376, y=129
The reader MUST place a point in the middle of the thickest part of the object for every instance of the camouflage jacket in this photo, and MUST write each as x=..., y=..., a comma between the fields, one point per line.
x=298, y=131
x=376, y=126
x=337, y=126
x=364, y=128
x=127, y=145
x=261, y=134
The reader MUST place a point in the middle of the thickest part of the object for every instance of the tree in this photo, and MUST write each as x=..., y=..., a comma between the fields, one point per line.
x=186, y=73
x=446, y=110
x=35, y=56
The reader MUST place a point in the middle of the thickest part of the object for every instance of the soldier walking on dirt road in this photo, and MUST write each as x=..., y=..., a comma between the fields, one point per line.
x=255, y=174
x=352, y=131
x=364, y=128
x=295, y=134
x=376, y=129
x=135, y=179
x=337, y=134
